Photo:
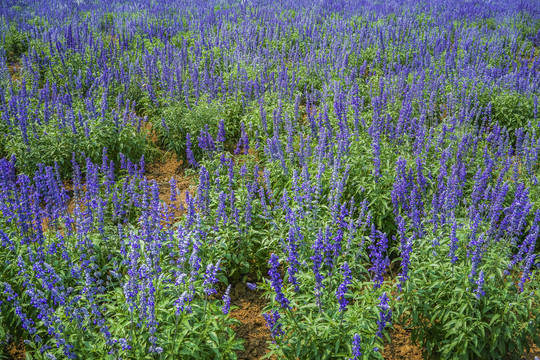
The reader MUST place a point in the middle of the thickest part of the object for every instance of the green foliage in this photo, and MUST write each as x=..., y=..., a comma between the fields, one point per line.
x=245, y=240
x=440, y=304
x=106, y=22
x=310, y=80
x=141, y=58
x=38, y=22
x=327, y=334
x=363, y=185
x=54, y=146
x=15, y=43
x=177, y=120
x=314, y=327
x=512, y=110
x=528, y=26
x=488, y=23
x=183, y=40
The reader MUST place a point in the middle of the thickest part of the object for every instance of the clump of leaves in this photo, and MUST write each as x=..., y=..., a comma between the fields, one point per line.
x=512, y=110
x=55, y=147
x=15, y=44
x=452, y=315
x=178, y=119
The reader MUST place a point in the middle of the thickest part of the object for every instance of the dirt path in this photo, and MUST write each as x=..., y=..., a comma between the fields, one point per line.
x=401, y=346
x=253, y=327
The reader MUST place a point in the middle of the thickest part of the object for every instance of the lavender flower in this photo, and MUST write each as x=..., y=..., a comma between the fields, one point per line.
x=379, y=260
x=210, y=278
x=189, y=151
x=221, y=137
x=226, y=301
x=180, y=303
x=292, y=258
x=173, y=186
x=252, y=286
x=385, y=314
x=276, y=281
x=342, y=289
x=376, y=154
x=155, y=349
x=356, y=347
x=454, y=242
x=317, y=258
x=272, y=323
x=480, y=283
x=124, y=344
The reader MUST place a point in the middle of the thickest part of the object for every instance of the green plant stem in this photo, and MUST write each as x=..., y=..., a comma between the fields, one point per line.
x=204, y=312
x=175, y=332
x=294, y=319
x=131, y=332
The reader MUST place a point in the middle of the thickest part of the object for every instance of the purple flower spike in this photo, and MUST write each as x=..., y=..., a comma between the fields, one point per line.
x=210, y=278
x=480, y=283
x=276, y=281
x=252, y=286
x=342, y=289
x=272, y=322
x=356, y=347
x=226, y=301
x=385, y=314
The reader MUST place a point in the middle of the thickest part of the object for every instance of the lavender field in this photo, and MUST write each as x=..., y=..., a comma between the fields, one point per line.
x=338, y=171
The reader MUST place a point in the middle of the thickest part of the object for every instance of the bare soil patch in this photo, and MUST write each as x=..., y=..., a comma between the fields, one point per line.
x=253, y=326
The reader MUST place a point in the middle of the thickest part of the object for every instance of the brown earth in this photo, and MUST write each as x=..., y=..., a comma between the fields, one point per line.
x=533, y=354
x=162, y=172
x=15, y=72
x=166, y=167
x=401, y=346
x=16, y=351
x=253, y=328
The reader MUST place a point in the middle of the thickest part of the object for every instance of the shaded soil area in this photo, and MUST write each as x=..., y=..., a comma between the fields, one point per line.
x=401, y=346
x=533, y=354
x=15, y=351
x=15, y=72
x=253, y=328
